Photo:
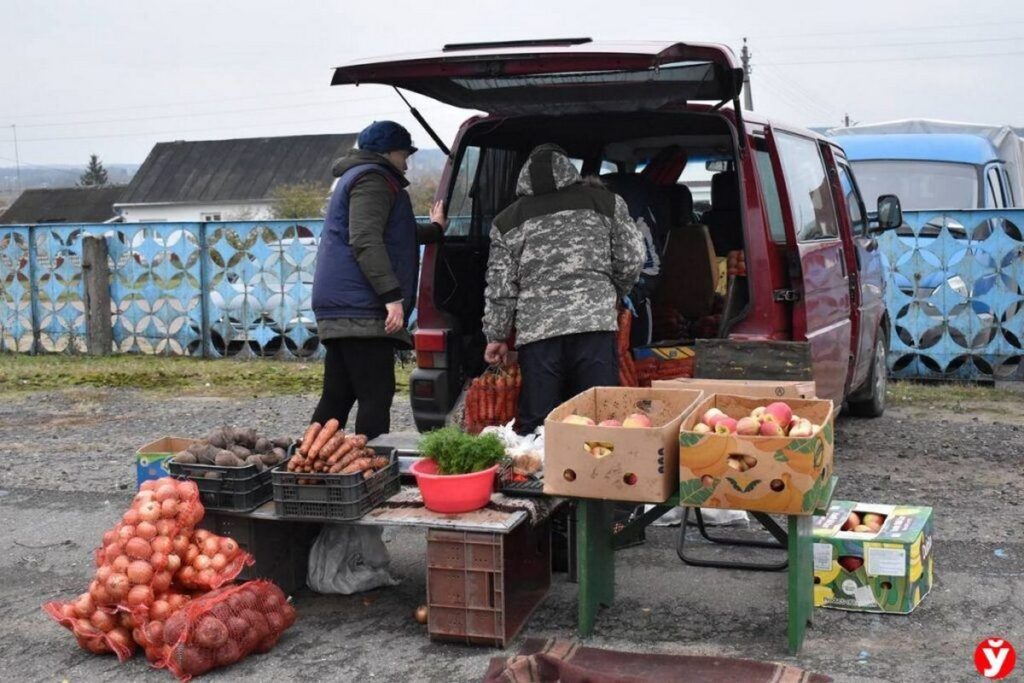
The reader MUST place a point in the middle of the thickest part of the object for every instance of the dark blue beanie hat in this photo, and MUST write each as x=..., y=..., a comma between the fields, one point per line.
x=385, y=136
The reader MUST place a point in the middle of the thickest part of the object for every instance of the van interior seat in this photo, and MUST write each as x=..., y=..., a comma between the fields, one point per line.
x=645, y=199
x=689, y=273
x=723, y=219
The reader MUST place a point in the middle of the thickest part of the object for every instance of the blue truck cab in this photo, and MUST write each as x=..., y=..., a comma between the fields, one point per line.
x=930, y=171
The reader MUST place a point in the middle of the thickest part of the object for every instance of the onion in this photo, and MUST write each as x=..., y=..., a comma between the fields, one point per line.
x=218, y=562
x=126, y=620
x=187, y=490
x=125, y=532
x=160, y=610
x=169, y=508
x=121, y=641
x=103, y=573
x=111, y=551
x=187, y=575
x=162, y=544
x=173, y=563
x=201, y=535
x=258, y=624
x=149, y=485
x=140, y=637
x=211, y=546
x=84, y=606
x=146, y=530
x=158, y=561
x=180, y=544
x=201, y=562
x=117, y=586
x=138, y=548
x=177, y=601
x=228, y=546
x=191, y=554
x=99, y=594
x=229, y=653
x=174, y=627
x=247, y=599
x=161, y=582
x=210, y=632
x=237, y=628
x=67, y=611
x=103, y=620
x=109, y=537
x=140, y=595
x=267, y=644
x=140, y=572
x=94, y=645
x=288, y=612
x=120, y=564
x=166, y=527
x=195, y=661
x=207, y=577
x=149, y=511
x=166, y=492
x=155, y=631
x=276, y=622
x=130, y=517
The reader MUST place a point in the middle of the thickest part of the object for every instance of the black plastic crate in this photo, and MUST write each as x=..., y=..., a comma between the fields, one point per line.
x=303, y=508
x=235, y=500
x=197, y=472
x=212, y=482
x=333, y=488
x=280, y=549
x=531, y=488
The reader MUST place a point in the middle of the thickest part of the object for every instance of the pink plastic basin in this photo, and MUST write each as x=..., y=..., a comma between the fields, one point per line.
x=453, y=492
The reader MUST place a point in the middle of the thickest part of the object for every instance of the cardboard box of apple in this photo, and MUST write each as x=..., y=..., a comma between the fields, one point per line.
x=747, y=453
x=616, y=443
x=872, y=558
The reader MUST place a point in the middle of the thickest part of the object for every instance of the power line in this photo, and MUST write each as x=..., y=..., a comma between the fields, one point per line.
x=785, y=87
x=909, y=29
x=858, y=46
x=894, y=59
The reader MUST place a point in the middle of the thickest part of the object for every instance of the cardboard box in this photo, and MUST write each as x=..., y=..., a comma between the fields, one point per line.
x=151, y=459
x=742, y=387
x=616, y=463
x=781, y=474
x=892, y=569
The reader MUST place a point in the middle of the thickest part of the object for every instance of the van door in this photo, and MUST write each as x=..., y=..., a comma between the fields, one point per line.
x=823, y=309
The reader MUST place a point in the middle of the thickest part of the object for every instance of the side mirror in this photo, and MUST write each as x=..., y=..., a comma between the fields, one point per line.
x=890, y=214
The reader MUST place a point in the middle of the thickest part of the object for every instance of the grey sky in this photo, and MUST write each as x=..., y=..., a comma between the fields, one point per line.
x=114, y=78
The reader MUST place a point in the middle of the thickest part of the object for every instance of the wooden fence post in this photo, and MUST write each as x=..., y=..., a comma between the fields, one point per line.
x=99, y=333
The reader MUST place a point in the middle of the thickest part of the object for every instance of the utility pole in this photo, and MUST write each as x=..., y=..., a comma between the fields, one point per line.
x=748, y=98
x=17, y=162
x=846, y=121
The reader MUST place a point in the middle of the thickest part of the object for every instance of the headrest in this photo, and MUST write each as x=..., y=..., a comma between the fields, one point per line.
x=681, y=202
x=725, y=194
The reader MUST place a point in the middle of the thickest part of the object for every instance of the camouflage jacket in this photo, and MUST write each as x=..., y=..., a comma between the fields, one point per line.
x=562, y=255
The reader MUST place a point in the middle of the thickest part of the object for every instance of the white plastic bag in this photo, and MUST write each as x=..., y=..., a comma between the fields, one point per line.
x=349, y=559
x=712, y=517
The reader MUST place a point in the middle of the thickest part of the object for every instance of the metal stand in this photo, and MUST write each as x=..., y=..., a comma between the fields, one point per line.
x=780, y=543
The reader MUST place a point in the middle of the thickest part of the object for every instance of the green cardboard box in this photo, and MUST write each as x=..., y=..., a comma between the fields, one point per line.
x=151, y=460
x=884, y=566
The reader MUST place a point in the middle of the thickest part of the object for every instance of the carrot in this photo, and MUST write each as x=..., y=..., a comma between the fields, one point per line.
x=380, y=462
x=368, y=473
x=359, y=440
x=309, y=436
x=330, y=428
x=351, y=457
x=332, y=445
x=357, y=465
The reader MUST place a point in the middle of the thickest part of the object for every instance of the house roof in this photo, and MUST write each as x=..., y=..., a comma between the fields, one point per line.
x=63, y=205
x=244, y=169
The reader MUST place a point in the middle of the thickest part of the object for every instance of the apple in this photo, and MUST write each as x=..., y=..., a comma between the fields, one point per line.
x=701, y=428
x=874, y=520
x=802, y=429
x=793, y=420
x=770, y=428
x=637, y=421
x=815, y=429
x=778, y=412
x=600, y=451
x=712, y=416
x=851, y=522
x=748, y=426
x=725, y=425
x=864, y=529
x=850, y=563
x=757, y=413
x=578, y=420
x=609, y=423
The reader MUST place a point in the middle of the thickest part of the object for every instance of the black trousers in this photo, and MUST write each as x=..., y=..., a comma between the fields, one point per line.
x=363, y=370
x=556, y=369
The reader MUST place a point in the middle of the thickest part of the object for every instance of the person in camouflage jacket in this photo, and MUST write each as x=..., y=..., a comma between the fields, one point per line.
x=562, y=256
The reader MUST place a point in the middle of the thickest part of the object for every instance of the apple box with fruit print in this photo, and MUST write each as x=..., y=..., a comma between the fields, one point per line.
x=616, y=443
x=746, y=453
x=873, y=558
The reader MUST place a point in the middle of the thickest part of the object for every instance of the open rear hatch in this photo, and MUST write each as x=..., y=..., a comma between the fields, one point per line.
x=560, y=76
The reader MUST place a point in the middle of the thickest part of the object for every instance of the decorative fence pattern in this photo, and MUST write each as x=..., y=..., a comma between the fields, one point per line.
x=210, y=289
x=955, y=290
x=955, y=295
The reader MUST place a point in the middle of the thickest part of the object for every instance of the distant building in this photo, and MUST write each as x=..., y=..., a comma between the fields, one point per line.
x=64, y=205
x=223, y=180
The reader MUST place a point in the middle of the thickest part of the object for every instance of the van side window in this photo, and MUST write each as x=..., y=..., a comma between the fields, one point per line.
x=770, y=190
x=854, y=205
x=810, y=196
x=460, y=201
x=995, y=188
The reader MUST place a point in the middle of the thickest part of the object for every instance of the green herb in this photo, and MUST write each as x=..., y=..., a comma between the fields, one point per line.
x=456, y=452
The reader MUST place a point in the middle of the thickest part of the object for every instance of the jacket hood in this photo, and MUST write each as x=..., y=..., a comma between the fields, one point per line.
x=547, y=170
x=355, y=157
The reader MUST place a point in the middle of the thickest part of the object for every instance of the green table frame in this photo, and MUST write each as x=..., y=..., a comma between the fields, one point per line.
x=595, y=549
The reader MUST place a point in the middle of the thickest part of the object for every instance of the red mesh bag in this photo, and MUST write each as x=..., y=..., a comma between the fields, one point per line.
x=100, y=630
x=149, y=634
x=210, y=561
x=225, y=626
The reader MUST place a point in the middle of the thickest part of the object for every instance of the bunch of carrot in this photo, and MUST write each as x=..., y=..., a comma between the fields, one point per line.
x=327, y=449
x=736, y=264
x=493, y=398
x=627, y=370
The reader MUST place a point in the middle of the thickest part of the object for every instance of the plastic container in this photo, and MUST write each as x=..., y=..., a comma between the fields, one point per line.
x=240, y=501
x=531, y=488
x=452, y=493
x=300, y=508
x=214, y=479
x=198, y=472
x=482, y=587
x=332, y=488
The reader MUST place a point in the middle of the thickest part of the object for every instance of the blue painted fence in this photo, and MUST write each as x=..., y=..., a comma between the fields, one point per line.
x=955, y=295
x=955, y=290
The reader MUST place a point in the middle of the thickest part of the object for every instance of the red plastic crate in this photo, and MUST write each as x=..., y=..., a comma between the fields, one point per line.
x=482, y=587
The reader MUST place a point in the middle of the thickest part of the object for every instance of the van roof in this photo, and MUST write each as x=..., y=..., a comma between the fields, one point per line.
x=950, y=147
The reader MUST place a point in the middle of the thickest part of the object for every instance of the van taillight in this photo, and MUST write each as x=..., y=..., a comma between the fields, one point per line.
x=429, y=340
x=423, y=388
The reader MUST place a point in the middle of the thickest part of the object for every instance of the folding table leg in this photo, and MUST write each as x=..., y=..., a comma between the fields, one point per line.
x=801, y=579
x=595, y=554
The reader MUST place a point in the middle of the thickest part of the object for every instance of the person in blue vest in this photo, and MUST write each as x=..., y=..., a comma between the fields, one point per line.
x=364, y=285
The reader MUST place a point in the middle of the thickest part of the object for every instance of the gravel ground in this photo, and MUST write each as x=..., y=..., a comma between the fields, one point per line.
x=66, y=472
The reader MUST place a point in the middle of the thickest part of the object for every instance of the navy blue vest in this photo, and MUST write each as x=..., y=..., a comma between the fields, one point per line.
x=340, y=290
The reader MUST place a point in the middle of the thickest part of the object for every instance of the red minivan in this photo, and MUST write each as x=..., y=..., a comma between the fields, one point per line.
x=783, y=198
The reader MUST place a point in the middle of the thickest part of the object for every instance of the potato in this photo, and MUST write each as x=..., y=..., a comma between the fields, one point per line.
x=197, y=448
x=219, y=437
x=185, y=458
x=262, y=445
x=207, y=455
x=227, y=459
x=280, y=453
x=241, y=451
x=268, y=459
x=257, y=461
x=282, y=442
x=245, y=437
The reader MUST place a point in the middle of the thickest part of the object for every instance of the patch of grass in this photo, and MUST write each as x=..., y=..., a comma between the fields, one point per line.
x=948, y=395
x=189, y=376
